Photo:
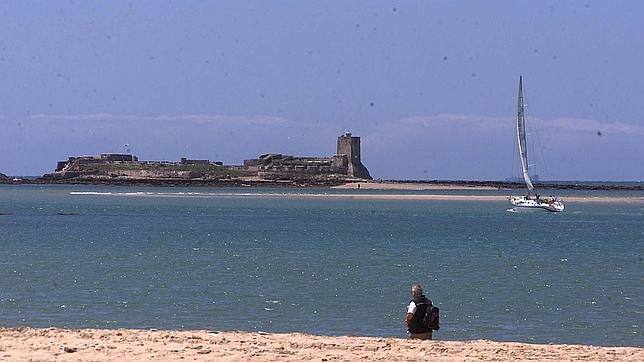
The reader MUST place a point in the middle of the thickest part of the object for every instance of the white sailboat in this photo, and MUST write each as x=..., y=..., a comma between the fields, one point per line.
x=532, y=200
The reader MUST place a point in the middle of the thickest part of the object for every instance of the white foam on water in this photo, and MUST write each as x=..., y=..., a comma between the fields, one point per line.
x=197, y=194
x=89, y=193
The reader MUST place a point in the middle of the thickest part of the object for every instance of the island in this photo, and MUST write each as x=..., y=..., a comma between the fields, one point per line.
x=267, y=169
x=342, y=170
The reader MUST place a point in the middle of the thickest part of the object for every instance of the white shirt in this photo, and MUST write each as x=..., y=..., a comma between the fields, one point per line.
x=411, y=308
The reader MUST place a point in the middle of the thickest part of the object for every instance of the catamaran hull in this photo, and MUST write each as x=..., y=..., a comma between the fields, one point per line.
x=529, y=203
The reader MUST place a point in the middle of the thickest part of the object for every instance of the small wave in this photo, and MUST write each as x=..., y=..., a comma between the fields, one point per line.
x=193, y=194
x=89, y=193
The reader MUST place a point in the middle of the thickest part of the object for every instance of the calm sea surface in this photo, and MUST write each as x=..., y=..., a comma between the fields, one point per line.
x=257, y=259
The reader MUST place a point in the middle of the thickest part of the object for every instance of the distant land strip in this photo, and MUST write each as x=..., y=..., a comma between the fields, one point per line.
x=339, y=183
x=564, y=185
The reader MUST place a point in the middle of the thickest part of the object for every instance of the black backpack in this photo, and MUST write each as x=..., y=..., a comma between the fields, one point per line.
x=431, y=318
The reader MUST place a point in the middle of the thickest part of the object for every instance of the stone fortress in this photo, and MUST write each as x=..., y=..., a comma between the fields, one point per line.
x=76, y=163
x=346, y=164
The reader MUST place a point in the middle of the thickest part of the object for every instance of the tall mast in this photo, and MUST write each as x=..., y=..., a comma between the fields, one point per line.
x=523, y=151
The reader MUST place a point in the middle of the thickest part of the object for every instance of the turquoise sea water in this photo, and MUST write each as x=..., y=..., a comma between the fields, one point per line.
x=267, y=259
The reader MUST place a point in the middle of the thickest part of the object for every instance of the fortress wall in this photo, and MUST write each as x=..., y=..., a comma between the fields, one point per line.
x=271, y=165
x=137, y=174
x=299, y=176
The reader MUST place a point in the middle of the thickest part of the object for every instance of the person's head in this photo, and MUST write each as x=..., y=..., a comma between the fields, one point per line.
x=416, y=290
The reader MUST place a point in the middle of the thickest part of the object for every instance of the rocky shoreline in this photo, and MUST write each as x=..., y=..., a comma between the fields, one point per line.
x=313, y=182
x=177, y=182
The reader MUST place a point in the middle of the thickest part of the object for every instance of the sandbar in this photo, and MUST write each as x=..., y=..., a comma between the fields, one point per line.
x=54, y=344
x=438, y=197
x=411, y=186
x=359, y=195
x=435, y=197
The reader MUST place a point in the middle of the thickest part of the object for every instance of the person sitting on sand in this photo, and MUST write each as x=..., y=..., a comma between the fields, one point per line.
x=415, y=313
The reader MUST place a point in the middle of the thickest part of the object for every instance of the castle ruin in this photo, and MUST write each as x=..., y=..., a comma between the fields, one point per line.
x=350, y=147
x=345, y=163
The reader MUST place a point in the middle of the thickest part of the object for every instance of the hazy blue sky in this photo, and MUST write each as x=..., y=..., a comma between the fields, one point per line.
x=429, y=86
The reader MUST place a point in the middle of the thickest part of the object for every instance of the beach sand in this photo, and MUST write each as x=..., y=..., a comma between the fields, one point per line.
x=428, y=197
x=438, y=197
x=402, y=186
x=409, y=186
x=125, y=344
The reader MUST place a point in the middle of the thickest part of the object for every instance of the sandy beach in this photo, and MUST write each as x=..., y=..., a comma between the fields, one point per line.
x=430, y=197
x=410, y=186
x=421, y=197
x=401, y=186
x=370, y=196
x=20, y=344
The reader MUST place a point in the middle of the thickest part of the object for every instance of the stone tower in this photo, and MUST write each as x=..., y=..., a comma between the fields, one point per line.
x=350, y=146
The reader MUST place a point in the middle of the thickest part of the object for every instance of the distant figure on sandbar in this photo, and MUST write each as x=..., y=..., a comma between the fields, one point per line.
x=416, y=319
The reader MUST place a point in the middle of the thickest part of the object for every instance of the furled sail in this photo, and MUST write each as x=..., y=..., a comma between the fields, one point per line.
x=523, y=151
